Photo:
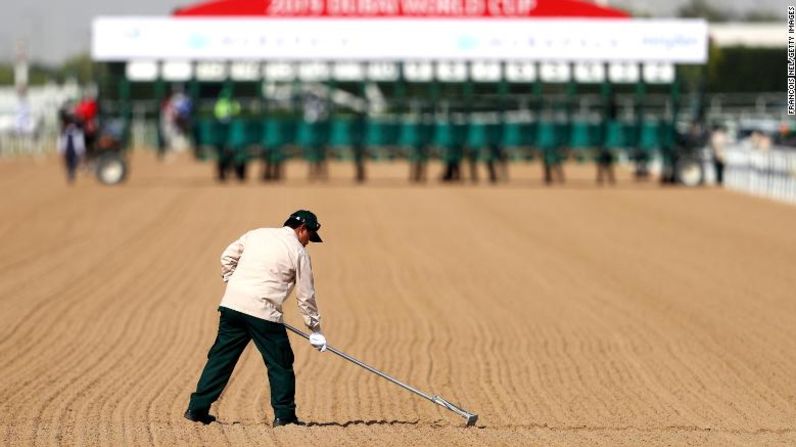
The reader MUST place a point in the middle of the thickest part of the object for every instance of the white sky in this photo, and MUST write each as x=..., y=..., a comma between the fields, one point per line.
x=57, y=29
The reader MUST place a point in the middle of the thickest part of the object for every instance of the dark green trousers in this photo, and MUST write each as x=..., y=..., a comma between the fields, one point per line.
x=235, y=329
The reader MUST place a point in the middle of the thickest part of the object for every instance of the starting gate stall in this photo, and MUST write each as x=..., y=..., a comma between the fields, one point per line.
x=408, y=77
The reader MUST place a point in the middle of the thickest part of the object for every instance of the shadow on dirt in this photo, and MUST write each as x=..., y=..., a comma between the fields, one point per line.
x=360, y=422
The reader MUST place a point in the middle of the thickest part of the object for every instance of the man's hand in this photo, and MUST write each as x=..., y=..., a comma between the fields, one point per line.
x=318, y=341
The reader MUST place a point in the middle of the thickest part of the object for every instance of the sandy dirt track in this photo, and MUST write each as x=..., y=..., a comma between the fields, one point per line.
x=576, y=315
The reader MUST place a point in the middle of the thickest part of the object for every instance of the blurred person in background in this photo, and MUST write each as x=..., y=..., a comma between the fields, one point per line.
x=85, y=115
x=718, y=143
x=605, y=156
x=786, y=136
x=165, y=130
x=496, y=160
x=274, y=155
x=553, y=165
x=689, y=143
x=24, y=123
x=452, y=156
x=225, y=109
x=182, y=109
x=472, y=155
x=175, y=120
x=359, y=149
x=419, y=152
x=316, y=111
x=65, y=113
x=605, y=165
x=71, y=146
x=273, y=158
x=418, y=159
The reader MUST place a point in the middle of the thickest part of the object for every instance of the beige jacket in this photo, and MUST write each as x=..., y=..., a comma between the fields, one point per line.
x=261, y=269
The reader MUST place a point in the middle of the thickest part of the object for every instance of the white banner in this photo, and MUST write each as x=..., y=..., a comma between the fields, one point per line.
x=549, y=40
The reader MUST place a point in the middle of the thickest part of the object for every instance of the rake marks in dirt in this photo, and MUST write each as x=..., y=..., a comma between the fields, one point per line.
x=564, y=316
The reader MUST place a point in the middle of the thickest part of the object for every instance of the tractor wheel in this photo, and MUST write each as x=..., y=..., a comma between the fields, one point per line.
x=690, y=172
x=111, y=168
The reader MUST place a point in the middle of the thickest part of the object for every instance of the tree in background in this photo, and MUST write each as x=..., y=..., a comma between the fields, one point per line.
x=79, y=67
x=6, y=74
x=702, y=9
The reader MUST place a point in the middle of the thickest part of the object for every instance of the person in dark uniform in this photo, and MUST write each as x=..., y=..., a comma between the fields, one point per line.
x=495, y=159
x=419, y=150
x=418, y=159
x=71, y=146
x=553, y=161
x=453, y=160
x=316, y=117
x=495, y=154
x=605, y=165
x=224, y=110
x=454, y=151
x=605, y=156
x=688, y=144
x=359, y=147
x=472, y=155
x=273, y=157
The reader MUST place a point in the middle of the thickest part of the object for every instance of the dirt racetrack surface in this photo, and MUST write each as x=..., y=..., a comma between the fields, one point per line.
x=572, y=316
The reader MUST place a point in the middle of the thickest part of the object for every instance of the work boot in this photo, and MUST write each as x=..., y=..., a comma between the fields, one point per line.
x=278, y=422
x=199, y=416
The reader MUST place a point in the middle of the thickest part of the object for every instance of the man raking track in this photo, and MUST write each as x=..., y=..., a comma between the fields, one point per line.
x=469, y=417
x=260, y=269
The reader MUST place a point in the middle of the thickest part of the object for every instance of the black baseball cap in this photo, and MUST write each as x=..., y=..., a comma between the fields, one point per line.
x=310, y=220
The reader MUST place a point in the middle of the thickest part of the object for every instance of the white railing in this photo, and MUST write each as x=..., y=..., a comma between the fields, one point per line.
x=769, y=173
x=16, y=144
x=29, y=125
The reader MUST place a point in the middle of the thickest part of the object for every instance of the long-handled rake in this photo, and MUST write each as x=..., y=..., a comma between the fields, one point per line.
x=470, y=417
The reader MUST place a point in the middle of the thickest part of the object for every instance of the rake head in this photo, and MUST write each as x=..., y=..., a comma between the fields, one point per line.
x=470, y=417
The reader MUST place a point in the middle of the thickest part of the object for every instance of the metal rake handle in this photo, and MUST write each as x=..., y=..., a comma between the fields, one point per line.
x=471, y=418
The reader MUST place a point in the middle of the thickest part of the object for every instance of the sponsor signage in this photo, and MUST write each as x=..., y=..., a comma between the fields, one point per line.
x=391, y=8
x=399, y=8
x=399, y=39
